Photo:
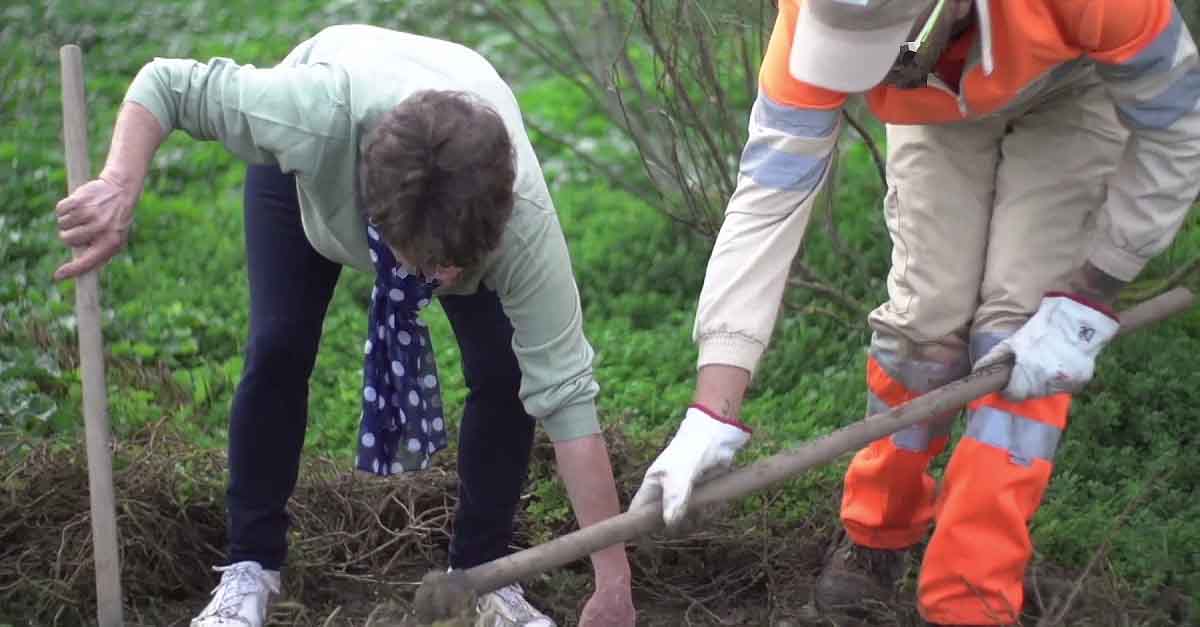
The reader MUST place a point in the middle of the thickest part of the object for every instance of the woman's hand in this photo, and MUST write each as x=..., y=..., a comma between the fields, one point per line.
x=95, y=221
x=610, y=606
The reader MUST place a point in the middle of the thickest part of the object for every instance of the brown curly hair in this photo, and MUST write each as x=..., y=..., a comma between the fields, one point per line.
x=436, y=179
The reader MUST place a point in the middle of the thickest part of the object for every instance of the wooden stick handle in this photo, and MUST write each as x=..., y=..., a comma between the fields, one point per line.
x=784, y=465
x=91, y=358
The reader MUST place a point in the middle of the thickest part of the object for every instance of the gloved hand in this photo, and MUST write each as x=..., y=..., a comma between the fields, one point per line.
x=1056, y=349
x=703, y=443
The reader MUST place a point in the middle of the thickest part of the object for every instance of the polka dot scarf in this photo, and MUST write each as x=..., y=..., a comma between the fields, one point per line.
x=402, y=423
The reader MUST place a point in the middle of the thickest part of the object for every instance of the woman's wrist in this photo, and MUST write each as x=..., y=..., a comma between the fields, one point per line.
x=136, y=137
x=611, y=566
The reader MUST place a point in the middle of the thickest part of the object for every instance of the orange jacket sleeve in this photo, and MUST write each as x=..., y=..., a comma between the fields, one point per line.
x=793, y=129
x=1148, y=60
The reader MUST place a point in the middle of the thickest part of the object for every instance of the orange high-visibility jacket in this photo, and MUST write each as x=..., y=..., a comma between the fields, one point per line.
x=1019, y=51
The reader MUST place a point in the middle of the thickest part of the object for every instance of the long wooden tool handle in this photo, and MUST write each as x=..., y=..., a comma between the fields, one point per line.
x=91, y=358
x=623, y=527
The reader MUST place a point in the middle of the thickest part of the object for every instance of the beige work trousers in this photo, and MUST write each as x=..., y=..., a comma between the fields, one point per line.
x=986, y=216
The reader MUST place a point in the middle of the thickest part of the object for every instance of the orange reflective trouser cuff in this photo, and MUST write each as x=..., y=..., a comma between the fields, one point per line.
x=975, y=561
x=888, y=501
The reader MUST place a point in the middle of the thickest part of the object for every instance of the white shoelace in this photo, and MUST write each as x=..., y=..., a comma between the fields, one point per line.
x=237, y=582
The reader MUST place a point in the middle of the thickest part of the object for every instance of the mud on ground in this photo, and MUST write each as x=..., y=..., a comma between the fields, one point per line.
x=360, y=546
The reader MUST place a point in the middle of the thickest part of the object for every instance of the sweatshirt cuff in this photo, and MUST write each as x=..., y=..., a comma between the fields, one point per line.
x=1086, y=302
x=731, y=421
x=730, y=350
x=144, y=90
x=571, y=422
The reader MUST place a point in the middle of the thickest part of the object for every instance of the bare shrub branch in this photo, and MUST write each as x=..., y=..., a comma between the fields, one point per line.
x=678, y=78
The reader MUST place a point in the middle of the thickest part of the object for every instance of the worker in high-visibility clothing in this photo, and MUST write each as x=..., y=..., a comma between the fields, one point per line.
x=1040, y=152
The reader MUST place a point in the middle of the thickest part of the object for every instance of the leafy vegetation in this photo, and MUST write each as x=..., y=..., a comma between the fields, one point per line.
x=175, y=301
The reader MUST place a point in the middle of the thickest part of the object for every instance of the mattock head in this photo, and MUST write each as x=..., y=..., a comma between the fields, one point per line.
x=445, y=597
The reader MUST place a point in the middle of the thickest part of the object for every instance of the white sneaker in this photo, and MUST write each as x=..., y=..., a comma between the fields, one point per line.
x=241, y=598
x=507, y=607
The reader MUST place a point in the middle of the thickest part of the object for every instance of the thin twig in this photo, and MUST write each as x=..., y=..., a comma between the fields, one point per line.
x=828, y=291
x=620, y=180
x=511, y=21
x=1178, y=276
x=680, y=94
x=329, y=620
x=1056, y=618
x=869, y=141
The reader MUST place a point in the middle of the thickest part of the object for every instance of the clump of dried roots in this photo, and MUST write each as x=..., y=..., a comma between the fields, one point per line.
x=360, y=546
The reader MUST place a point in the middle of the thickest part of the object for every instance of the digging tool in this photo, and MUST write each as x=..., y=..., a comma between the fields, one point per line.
x=91, y=358
x=450, y=595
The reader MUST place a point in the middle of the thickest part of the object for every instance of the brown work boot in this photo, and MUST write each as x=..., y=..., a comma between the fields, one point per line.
x=854, y=576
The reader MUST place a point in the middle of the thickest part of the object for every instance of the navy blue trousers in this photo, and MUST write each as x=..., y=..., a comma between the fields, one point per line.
x=290, y=289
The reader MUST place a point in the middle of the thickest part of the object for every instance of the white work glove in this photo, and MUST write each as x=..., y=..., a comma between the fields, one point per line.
x=702, y=444
x=1056, y=349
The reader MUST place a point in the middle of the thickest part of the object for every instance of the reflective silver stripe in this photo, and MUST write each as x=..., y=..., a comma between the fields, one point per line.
x=795, y=121
x=917, y=437
x=982, y=343
x=920, y=375
x=1156, y=58
x=788, y=148
x=1161, y=111
x=774, y=168
x=875, y=405
x=1163, y=65
x=1024, y=439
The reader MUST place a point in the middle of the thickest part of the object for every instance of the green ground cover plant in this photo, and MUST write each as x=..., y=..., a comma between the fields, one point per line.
x=175, y=303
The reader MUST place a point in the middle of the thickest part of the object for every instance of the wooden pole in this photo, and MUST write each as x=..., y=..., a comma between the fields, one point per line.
x=788, y=464
x=91, y=358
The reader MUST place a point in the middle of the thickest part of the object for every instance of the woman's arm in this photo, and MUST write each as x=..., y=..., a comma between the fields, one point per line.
x=97, y=216
x=583, y=465
x=284, y=115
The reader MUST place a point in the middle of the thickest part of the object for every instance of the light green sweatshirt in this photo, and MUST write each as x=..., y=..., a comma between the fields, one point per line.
x=308, y=115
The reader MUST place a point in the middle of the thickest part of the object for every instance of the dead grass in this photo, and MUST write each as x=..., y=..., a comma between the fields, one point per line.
x=361, y=545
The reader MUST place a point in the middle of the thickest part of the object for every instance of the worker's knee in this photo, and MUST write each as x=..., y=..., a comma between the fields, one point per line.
x=901, y=369
x=920, y=366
